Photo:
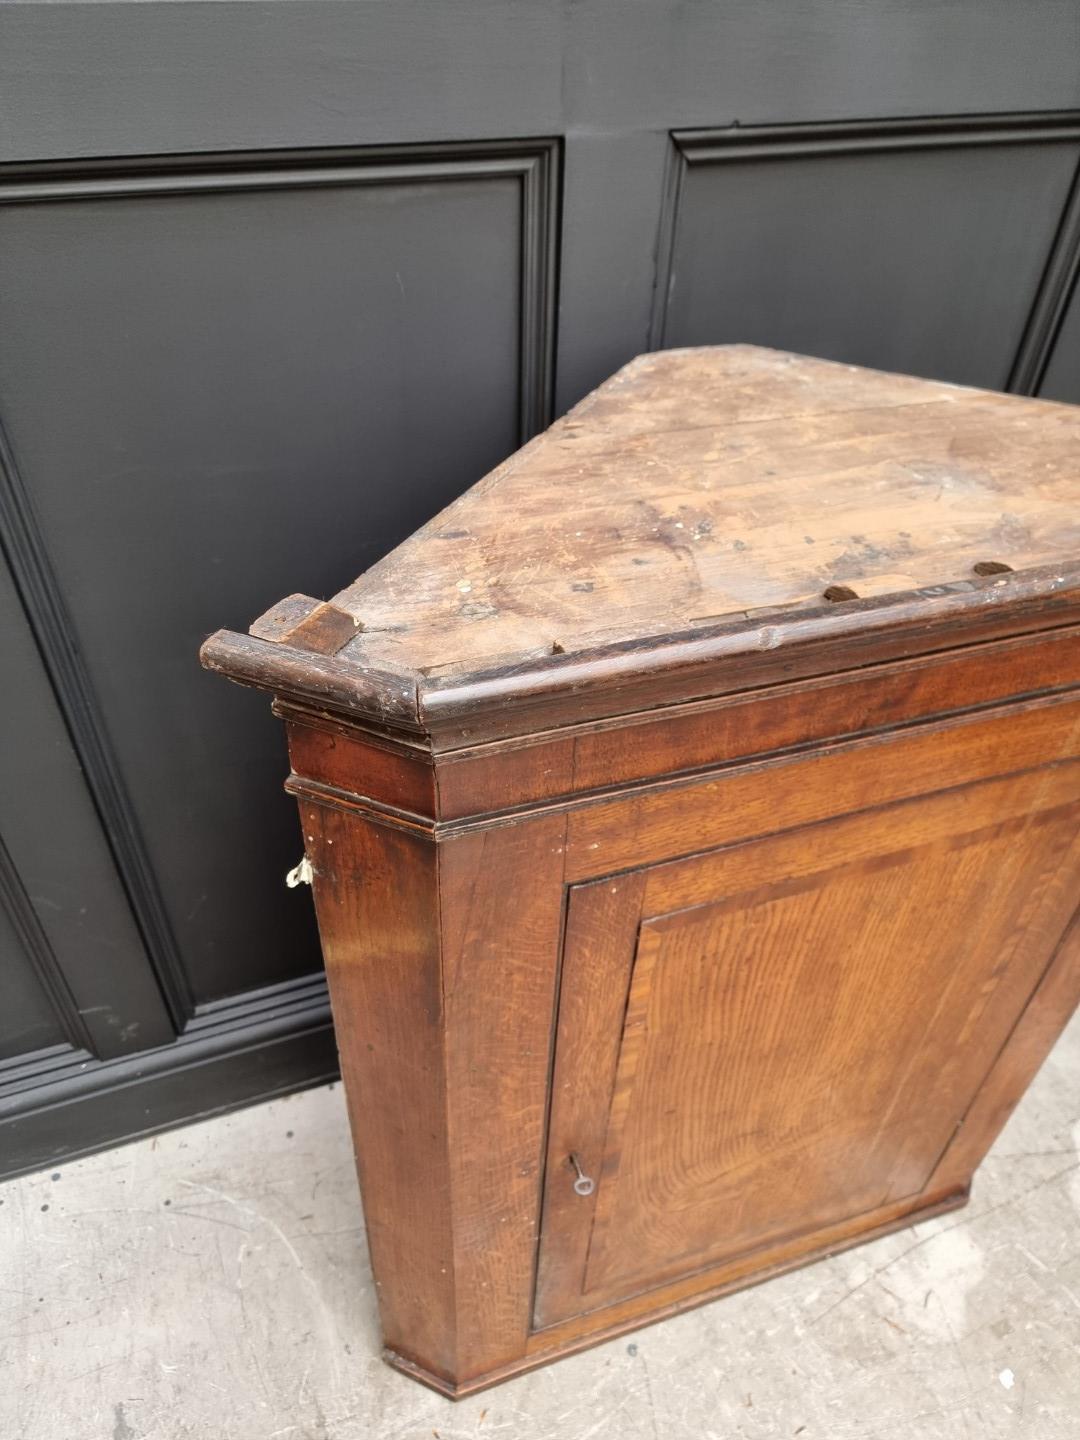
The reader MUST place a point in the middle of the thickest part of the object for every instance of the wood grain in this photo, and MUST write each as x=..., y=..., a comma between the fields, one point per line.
x=813, y=1018
x=679, y=817
x=502, y=899
x=698, y=484
x=601, y=930
x=706, y=520
x=485, y=779
x=786, y=1010
x=443, y=996
x=377, y=900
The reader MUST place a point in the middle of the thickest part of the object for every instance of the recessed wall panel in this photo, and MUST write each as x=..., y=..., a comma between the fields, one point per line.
x=917, y=249
x=225, y=385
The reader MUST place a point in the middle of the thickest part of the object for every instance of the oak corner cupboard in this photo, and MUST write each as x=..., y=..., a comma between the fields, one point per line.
x=692, y=814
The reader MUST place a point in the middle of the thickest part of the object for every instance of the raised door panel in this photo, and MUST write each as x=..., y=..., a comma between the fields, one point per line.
x=761, y=1042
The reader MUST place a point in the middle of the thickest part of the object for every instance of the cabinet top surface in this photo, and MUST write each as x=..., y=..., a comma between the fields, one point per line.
x=704, y=490
x=697, y=484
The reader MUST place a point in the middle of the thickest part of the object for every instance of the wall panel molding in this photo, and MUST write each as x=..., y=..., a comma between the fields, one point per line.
x=42, y=597
x=35, y=943
x=216, y=392
x=55, y=1106
x=535, y=164
x=692, y=149
x=1052, y=302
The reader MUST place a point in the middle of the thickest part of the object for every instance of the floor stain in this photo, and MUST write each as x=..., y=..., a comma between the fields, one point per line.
x=121, y=1429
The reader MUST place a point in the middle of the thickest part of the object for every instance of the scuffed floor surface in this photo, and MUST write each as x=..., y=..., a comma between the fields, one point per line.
x=214, y=1283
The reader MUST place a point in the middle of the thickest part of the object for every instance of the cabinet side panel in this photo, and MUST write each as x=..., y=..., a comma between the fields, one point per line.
x=502, y=897
x=377, y=903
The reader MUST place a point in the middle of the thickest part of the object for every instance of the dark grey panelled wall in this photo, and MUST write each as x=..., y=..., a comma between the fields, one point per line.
x=278, y=278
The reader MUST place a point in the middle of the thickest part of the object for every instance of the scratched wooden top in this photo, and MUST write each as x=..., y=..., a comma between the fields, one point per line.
x=708, y=520
x=702, y=484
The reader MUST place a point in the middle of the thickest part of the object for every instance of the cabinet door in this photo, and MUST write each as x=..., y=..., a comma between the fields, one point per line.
x=764, y=1041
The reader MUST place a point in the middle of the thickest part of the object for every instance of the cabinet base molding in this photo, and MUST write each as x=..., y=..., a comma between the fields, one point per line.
x=599, y=1326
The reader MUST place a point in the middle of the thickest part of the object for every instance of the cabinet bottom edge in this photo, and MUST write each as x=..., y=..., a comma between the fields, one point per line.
x=599, y=1326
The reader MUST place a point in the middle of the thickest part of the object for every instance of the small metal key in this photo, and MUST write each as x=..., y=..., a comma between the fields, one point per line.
x=583, y=1185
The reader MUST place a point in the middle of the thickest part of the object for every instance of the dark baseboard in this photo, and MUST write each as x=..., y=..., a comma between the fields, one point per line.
x=234, y=1053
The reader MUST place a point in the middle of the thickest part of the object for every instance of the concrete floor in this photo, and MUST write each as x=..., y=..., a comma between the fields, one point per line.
x=213, y=1282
